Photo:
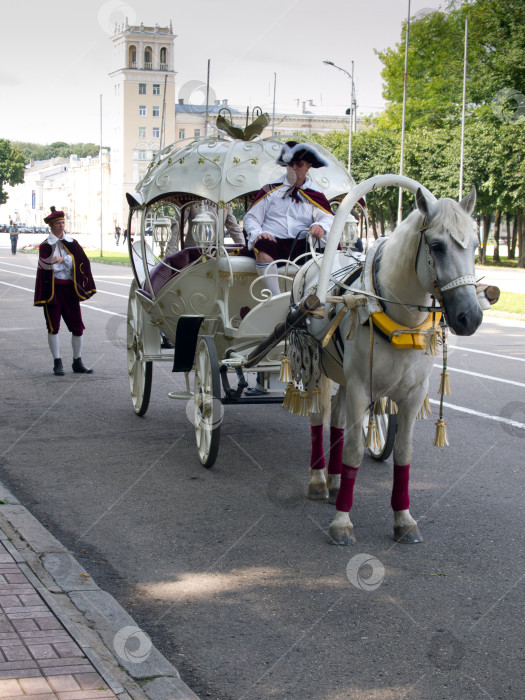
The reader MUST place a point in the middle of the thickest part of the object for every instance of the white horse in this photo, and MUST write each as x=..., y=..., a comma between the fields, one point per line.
x=429, y=258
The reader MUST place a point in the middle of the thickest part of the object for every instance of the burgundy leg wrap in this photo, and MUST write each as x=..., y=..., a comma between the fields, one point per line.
x=337, y=441
x=317, y=457
x=345, y=497
x=400, y=499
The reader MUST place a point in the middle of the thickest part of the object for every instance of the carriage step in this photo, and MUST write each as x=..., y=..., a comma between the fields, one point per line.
x=184, y=395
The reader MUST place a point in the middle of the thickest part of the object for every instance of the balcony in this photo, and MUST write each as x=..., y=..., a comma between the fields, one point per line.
x=148, y=66
x=163, y=66
x=132, y=64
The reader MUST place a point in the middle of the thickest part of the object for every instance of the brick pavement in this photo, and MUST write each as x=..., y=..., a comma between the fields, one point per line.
x=38, y=657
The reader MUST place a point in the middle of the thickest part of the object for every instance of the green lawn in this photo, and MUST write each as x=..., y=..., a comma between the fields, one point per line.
x=504, y=262
x=512, y=303
x=94, y=255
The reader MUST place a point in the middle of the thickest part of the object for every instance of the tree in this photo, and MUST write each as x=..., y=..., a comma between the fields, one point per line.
x=60, y=149
x=12, y=163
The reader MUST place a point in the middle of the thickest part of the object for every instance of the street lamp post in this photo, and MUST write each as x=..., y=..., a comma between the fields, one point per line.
x=352, y=106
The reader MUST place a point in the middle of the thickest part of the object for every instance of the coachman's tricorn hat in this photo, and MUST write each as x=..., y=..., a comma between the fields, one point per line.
x=292, y=151
x=54, y=216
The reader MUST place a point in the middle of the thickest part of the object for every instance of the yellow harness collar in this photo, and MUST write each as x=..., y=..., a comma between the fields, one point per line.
x=402, y=337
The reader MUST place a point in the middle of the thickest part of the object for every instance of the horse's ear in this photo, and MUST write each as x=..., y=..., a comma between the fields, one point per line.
x=469, y=202
x=422, y=203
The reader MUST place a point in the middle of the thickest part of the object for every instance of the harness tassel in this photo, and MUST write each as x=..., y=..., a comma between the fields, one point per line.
x=304, y=403
x=425, y=409
x=392, y=407
x=441, y=434
x=444, y=385
x=295, y=405
x=285, y=375
x=287, y=399
x=372, y=436
x=315, y=402
x=433, y=338
x=380, y=406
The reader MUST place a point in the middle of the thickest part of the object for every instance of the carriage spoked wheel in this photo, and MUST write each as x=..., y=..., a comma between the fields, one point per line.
x=208, y=409
x=140, y=372
x=386, y=427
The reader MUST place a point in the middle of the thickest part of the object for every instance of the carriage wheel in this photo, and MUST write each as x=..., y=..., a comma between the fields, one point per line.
x=140, y=372
x=207, y=401
x=386, y=427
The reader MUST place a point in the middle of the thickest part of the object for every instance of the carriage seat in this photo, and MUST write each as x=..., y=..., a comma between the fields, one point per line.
x=171, y=266
x=238, y=263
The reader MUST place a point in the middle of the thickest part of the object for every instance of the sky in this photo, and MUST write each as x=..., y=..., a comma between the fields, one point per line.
x=56, y=56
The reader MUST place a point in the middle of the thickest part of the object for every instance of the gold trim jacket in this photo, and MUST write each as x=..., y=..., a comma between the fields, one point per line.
x=84, y=284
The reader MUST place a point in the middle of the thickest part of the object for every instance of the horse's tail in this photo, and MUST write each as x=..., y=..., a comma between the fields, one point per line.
x=327, y=389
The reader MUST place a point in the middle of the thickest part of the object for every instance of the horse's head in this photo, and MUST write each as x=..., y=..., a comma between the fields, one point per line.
x=445, y=259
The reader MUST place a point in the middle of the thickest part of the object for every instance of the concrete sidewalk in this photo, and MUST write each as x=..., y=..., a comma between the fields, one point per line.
x=61, y=636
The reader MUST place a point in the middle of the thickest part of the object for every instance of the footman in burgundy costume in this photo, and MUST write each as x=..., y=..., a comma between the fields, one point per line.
x=63, y=280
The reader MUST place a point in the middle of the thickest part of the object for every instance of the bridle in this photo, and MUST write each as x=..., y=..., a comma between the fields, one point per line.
x=460, y=281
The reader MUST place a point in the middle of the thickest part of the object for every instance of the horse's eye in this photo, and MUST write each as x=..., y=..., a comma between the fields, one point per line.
x=438, y=247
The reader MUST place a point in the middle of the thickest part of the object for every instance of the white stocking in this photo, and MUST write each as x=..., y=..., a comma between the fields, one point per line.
x=76, y=344
x=271, y=283
x=54, y=345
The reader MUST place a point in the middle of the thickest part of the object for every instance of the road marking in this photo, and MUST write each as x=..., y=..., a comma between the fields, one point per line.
x=485, y=352
x=102, y=291
x=483, y=376
x=93, y=308
x=33, y=269
x=470, y=411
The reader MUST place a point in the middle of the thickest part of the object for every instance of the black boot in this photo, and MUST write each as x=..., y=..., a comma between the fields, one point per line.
x=79, y=367
x=58, y=368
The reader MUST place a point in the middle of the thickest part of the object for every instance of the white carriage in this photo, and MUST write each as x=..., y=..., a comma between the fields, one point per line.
x=206, y=298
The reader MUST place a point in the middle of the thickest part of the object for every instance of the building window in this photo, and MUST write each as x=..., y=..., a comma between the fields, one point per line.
x=142, y=88
x=163, y=59
x=156, y=132
x=148, y=64
x=142, y=155
x=142, y=110
x=156, y=88
x=142, y=132
x=197, y=133
x=132, y=57
x=156, y=111
x=182, y=133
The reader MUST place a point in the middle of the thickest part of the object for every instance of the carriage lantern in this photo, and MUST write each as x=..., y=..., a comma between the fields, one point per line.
x=161, y=234
x=349, y=233
x=204, y=228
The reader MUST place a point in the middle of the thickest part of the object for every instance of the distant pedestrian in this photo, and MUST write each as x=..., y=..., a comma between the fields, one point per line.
x=124, y=236
x=63, y=279
x=117, y=233
x=13, y=233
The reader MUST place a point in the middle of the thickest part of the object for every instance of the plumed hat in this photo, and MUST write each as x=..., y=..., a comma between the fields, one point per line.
x=54, y=216
x=292, y=151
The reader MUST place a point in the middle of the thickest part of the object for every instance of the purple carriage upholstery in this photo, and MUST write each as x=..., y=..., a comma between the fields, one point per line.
x=171, y=266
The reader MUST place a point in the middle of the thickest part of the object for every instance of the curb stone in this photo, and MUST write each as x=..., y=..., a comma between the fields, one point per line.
x=96, y=621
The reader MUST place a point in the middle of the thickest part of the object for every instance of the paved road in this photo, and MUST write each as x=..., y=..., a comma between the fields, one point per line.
x=229, y=570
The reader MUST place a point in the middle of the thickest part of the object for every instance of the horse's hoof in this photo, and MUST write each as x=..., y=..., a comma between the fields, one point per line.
x=341, y=535
x=407, y=534
x=317, y=492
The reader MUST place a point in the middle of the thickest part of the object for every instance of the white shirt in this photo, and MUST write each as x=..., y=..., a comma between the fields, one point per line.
x=63, y=270
x=279, y=215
